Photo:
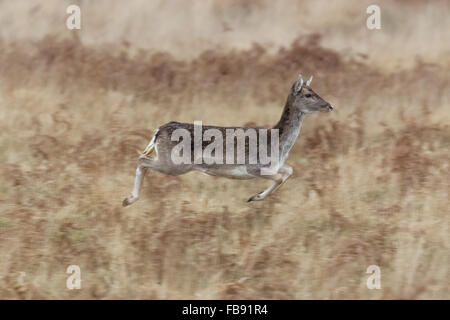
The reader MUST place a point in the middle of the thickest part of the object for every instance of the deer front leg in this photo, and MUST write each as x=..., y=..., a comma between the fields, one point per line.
x=280, y=177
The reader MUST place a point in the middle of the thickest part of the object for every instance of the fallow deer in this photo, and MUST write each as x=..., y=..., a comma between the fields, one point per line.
x=301, y=100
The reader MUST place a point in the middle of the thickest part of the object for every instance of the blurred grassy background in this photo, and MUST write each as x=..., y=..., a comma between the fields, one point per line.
x=370, y=183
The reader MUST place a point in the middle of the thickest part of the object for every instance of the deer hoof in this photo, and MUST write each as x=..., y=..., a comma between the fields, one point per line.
x=255, y=197
x=128, y=200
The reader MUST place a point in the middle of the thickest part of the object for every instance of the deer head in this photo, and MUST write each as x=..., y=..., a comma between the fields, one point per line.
x=305, y=100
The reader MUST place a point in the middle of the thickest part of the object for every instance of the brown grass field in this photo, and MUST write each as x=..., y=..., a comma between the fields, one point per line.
x=371, y=179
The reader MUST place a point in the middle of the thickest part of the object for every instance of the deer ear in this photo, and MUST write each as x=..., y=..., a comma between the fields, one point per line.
x=308, y=82
x=299, y=84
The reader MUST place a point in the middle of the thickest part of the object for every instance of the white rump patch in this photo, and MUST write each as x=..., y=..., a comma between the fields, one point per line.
x=151, y=144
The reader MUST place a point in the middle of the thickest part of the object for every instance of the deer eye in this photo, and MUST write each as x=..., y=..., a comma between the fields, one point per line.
x=308, y=95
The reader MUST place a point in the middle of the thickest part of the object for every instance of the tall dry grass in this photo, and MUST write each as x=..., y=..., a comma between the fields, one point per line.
x=370, y=183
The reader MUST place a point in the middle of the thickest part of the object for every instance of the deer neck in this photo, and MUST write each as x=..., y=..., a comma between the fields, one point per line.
x=289, y=128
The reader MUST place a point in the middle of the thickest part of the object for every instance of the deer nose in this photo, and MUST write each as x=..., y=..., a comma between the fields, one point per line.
x=330, y=107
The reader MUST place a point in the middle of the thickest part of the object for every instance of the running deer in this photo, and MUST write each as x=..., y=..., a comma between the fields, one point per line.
x=159, y=155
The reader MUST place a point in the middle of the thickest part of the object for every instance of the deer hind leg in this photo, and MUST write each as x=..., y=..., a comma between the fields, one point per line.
x=144, y=164
x=280, y=177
